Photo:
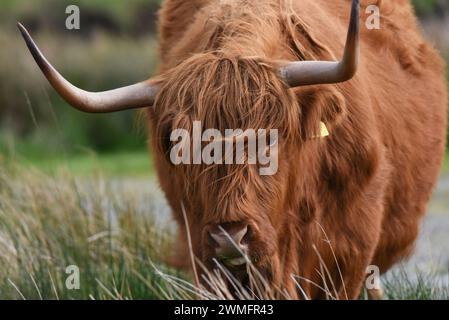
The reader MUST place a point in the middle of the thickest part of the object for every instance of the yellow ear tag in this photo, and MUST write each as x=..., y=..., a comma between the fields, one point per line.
x=323, y=131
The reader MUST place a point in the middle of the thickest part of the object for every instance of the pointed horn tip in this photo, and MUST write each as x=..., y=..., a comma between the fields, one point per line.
x=356, y=7
x=354, y=26
x=21, y=27
x=23, y=31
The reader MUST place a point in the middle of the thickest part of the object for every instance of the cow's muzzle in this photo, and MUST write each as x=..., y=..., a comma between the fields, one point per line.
x=231, y=243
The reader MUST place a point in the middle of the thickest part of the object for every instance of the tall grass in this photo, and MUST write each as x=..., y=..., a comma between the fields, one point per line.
x=398, y=285
x=109, y=230
x=105, y=228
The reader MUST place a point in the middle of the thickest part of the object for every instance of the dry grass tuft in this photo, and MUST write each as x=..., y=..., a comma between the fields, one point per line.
x=107, y=228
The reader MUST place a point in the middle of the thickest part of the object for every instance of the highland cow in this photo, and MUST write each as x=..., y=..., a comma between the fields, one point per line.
x=336, y=205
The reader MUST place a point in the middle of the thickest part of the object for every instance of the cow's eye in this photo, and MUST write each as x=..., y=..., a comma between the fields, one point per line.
x=166, y=143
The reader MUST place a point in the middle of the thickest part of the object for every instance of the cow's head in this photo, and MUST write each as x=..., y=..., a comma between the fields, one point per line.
x=232, y=209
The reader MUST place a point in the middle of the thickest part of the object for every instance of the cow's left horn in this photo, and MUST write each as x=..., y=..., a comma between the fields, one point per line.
x=304, y=73
x=135, y=96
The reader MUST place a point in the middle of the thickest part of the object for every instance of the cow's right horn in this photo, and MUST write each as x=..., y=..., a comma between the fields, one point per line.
x=139, y=95
x=303, y=73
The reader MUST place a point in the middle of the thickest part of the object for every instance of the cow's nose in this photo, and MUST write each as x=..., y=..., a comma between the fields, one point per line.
x=231, y=244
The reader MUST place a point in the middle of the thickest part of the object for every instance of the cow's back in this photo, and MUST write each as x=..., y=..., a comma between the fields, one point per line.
x=409, y=94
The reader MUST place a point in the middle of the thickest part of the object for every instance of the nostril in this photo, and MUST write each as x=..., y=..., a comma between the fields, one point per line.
x=215, y=239
x=230, y=242
x=247, y=236
x=239, y=235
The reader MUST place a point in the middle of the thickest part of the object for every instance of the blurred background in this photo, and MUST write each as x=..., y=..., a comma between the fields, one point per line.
x=116, y=45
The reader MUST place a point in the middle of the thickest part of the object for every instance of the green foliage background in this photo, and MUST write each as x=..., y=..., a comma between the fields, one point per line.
x=430, y=7
x=116, y=46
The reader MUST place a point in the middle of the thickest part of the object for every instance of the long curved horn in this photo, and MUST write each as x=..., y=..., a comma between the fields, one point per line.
x=135, y=96
x=304, y=73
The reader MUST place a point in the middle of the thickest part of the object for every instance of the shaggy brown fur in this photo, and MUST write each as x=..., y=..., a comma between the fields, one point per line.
x=353, y=199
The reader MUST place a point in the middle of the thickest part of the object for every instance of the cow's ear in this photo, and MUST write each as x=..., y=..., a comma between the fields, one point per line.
x=318, y=106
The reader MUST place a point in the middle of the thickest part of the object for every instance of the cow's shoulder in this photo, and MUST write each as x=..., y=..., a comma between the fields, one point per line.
x=400, y=33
